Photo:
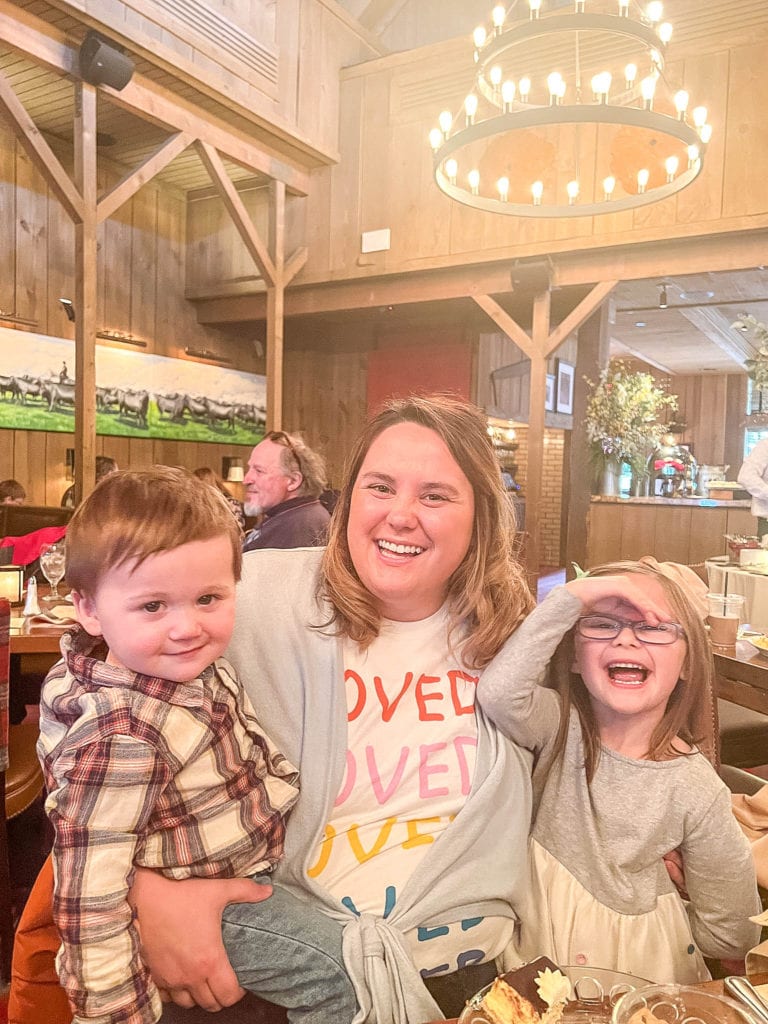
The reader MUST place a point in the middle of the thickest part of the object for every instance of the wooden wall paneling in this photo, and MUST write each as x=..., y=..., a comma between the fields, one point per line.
x=60, y=281
x=29, y=464
x=582, y=139
x=144, y=268
x=56, y=482
x=710, y=435
x=7, y=220
x=707, y=79
x=119, y=449
x=707, y=537
x=671, y=524
x=735, y=406
x=638, y=535
x=141, y=452
x=745, y=180
x=31, y=239
x=208, y=228
x=115, y=271
x=739, y=520
x=346, y=188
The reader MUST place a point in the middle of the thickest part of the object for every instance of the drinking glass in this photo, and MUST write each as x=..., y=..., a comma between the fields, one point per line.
x=53, y=563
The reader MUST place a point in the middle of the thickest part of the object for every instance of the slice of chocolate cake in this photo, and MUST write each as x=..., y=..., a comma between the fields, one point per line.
x=535, y=993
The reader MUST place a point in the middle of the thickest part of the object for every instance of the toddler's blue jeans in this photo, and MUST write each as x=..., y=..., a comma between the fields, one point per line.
x=289, y=953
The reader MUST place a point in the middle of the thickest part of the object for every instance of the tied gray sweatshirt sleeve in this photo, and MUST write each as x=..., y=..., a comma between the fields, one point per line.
x=510, y=690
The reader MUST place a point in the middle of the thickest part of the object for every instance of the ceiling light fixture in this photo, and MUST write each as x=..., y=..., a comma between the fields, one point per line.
x=529, y=131
x=663, y=295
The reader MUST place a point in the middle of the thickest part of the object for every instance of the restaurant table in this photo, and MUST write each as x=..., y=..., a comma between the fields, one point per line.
x=728, y=578
x=742, y=676
x=706, y=986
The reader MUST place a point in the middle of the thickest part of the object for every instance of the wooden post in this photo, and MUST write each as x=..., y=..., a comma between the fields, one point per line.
x=539, y=336
x=275, y=308
x=85, y=290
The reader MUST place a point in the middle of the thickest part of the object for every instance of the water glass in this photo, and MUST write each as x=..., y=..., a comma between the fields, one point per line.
x=53, y=564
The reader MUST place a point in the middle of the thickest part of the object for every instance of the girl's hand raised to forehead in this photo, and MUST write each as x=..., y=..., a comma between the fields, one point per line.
x=630, y=588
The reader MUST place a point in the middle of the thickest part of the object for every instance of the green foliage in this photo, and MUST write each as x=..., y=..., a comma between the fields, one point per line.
x=623, y=414
x=757, y=368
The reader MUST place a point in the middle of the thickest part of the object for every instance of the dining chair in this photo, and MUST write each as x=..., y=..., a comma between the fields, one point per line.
x=21, y=783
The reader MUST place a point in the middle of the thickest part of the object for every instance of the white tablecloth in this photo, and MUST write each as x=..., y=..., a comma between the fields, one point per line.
x=729, y=579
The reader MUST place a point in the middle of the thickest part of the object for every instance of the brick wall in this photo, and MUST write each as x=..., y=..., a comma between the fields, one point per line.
x=552, y=488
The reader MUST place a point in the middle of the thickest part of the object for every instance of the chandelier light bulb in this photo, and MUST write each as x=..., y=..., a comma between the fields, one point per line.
x=671, y=164
x=572, y=188
x=630, y=74
x=665, y=32
x=699, y=115
x=579, y=5
x=705, y=133
x=693, y=155
x=537, y=191
x=497, y=17
x=681, y=103
x=503, y=186
x=555, y=84
x=642, y=180
x=445, y=121
x=479, y=36
x=655, y=61
x=470, y=107
x=524, y=88
x=495, y=75
x=647, y=90
x=654, y=11
x=609, y=184
x=451, y=170
x=508, y=94
x=474, y=181
x=535, y=6
x=623, y=8
x=435, y=139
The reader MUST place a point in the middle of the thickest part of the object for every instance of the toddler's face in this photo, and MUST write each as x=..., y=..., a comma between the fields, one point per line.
x=625, y=677
x=169, y=617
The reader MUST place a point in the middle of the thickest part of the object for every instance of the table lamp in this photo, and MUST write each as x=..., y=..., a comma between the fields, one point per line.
x=12, y=583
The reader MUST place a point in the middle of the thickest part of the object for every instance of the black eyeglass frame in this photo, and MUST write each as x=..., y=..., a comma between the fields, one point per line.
x=634, y=624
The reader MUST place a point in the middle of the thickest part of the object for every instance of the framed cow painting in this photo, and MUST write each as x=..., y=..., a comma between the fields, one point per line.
x=137, y=395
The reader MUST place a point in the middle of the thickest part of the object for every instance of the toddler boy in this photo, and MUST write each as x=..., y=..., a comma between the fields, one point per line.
x=151, y=750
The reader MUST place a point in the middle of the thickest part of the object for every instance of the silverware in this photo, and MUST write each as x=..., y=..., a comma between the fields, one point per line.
x=743, y=990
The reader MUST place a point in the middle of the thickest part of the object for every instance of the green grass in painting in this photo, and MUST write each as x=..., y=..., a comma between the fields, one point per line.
x=14, y=416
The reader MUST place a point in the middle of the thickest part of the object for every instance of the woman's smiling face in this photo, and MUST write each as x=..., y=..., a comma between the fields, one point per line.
x=625, y=677
x=410, y=521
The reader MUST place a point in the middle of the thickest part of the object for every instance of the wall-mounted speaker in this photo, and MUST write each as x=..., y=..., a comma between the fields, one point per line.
x=102, y=63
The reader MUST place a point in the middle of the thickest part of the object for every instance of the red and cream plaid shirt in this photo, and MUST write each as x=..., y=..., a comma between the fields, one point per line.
x=175, y=777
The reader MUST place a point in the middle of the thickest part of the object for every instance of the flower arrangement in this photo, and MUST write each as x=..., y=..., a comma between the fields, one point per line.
x=757, y=368
x=623, y=413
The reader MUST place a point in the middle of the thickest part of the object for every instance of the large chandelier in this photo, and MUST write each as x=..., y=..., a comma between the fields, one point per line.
x=571, y=115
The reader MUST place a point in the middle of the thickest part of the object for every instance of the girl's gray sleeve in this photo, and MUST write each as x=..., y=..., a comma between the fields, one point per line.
x=509, y=689
x=720, y=878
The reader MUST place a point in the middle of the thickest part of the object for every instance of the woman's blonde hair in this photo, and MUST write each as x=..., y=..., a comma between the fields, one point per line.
x=487, y=595
x=690, y=713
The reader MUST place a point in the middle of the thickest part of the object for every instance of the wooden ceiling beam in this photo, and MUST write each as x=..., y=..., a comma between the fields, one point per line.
x=377, y=14
x=151, y=102
x=133, y=180
x=579, y=314
x=507, y=324
x=237, y=211
x=717, y=327
x=40, y=153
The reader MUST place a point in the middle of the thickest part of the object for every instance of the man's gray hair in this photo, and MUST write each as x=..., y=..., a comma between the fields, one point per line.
x=297, y=454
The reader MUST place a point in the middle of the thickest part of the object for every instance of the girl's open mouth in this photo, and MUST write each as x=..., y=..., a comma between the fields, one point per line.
x=627, y=672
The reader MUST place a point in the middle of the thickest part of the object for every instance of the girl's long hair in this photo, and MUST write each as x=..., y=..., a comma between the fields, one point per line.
x=487, y=595
x=691, y=710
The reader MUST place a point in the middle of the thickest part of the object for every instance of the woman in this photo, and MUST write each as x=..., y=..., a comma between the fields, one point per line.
x=208, y=476
x=362, y=661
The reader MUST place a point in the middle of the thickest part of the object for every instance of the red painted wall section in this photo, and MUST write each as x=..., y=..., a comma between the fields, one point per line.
x=398, y=372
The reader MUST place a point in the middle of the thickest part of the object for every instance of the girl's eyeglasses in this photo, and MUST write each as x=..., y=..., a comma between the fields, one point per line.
x=606, y=627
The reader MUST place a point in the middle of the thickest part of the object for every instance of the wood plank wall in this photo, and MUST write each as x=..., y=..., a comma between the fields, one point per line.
x=142, y=263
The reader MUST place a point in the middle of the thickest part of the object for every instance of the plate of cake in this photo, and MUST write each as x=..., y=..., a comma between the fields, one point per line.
x=540, y=992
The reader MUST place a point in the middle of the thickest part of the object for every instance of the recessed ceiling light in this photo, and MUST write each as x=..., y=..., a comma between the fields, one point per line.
x=697, y=295
x=640, y=323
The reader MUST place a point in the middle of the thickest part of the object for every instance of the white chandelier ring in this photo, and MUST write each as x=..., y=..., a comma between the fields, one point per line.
x=537, y=117
x=608, y=24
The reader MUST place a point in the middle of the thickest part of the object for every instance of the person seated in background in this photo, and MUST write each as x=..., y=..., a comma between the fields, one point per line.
x=284, y=481
x=753, y=477
x=104, y=466
x=208, y=476
x=152, y=752
x=12, y=493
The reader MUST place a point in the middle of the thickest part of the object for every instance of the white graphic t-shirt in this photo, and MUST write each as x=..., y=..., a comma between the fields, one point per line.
x=410, y=762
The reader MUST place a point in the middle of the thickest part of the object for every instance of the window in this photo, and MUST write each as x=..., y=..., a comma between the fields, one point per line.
x=757, y=402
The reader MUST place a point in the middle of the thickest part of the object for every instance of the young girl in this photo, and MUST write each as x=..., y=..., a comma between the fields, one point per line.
x=621, y=780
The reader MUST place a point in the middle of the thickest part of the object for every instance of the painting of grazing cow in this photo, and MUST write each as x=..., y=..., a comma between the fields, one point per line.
x=196, y=407
x=171, y=405
x=27, y=387
x=219, y=412
x=8, y=386
x=134, y=403
x=58, y=394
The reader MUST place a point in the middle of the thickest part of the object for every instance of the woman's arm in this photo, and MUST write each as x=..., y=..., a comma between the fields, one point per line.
x=180, y=928
x=720, y=878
